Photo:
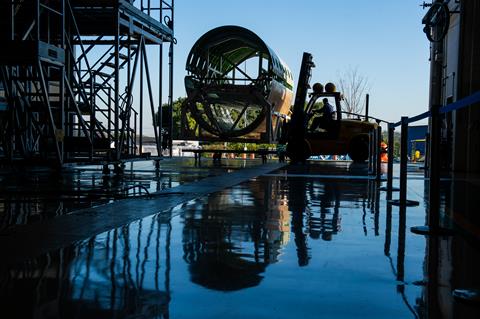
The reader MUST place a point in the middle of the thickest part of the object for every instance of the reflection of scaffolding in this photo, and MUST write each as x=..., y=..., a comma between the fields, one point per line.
x=67, y=77
x=28, y=197
x=123, y=273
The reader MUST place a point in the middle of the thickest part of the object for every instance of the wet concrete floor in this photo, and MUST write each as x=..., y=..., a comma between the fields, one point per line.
x=314, y=241
x=32, y=194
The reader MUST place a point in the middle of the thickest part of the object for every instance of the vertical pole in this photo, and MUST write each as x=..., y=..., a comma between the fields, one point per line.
x=12, y=20
x=92, y=114
x=432, y=279
x=129, y=94
x=391, y=147
x=117, y=83
x=160, y=98
x=367, y=104
x=403, y=160
x=11, y=130
x=376, y=209
x=10, y=139
x=160, y=87
x=427, y=154
x=373, y=152
x=140, y=145
x=402, y=219
x=433, y=212
x=170, y=80
x=379, y=154
x=134, y=140
x=388, y=230
x=62, y=88
x=370, y=152
x=168, y=258
x=37, y=17
x=434, y=171
x=170, y=95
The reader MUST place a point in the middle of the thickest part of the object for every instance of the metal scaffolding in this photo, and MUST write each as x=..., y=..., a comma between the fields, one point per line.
x=73, y=76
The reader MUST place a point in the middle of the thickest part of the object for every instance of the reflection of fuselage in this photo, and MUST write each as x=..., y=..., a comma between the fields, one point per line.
x=276, y=216
x=231, y=237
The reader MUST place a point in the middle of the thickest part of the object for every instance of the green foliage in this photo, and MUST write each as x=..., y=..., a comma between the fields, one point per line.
x=177, y=116
x=396, y=143
x=238, y=146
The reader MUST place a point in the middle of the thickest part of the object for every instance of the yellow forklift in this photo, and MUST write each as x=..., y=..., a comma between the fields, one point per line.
x=318, y=128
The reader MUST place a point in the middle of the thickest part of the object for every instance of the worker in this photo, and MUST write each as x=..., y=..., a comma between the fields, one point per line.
x=417, y=155
x=383, y=152
x=324, y=116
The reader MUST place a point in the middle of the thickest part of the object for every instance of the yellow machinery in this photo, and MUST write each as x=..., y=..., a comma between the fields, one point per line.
x=417, y=146
x=335, y=136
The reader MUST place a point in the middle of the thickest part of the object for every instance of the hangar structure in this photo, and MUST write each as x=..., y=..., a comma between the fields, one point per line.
x=68, y=73
x=453, y=30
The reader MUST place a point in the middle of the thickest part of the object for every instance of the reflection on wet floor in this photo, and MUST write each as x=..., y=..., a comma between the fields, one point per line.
x=114, y=275
x=31, y=194
x=273, y=247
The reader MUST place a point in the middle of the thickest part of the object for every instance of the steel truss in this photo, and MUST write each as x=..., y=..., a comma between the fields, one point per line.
x=68, y=78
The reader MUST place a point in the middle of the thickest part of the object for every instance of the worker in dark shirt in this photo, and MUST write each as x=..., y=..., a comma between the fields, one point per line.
x=324, y=116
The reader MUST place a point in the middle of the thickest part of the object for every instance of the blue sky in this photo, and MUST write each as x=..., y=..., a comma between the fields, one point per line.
x=382, y=38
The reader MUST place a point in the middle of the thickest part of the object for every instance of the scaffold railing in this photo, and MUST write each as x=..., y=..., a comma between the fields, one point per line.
x=72, y=78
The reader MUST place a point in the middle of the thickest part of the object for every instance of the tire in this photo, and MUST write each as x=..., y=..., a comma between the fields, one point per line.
x=358, y=148
x=299, y=152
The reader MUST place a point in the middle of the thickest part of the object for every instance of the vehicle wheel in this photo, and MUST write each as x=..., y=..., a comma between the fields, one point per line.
x=358, y=149
x=299, y=152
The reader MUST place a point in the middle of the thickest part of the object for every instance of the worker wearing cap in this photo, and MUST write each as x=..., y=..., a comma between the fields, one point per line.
x=325, y=116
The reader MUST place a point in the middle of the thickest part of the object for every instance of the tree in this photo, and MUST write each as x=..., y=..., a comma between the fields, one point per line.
x=177, y=111
x=354, y=86
x=396, y=142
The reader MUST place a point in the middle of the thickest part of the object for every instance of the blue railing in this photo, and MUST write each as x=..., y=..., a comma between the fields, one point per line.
x=433, y=158
x=460, y=104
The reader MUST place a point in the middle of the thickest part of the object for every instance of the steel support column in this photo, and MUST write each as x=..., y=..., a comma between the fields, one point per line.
x=403, y=201
x=117, y=85
x=391, y=147
x=433, y=217
x=378, y=159
x=170, y=96
x=140, y=145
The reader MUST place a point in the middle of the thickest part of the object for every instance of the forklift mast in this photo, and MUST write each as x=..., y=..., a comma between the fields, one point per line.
x=297, y=125
x=303, y=84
